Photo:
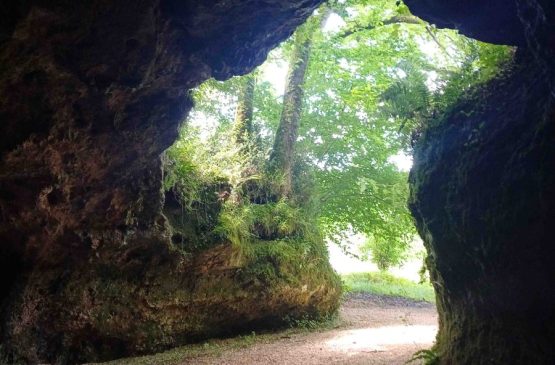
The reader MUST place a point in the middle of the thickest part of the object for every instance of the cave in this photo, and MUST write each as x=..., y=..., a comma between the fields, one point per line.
x=91, y=93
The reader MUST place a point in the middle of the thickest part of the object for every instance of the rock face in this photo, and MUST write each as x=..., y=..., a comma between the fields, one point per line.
x=524, y=23
x=90, y=94
x=493, y=21
x=483, y=193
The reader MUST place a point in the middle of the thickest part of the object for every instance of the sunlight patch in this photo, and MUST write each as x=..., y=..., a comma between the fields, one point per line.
x=378, y=339
x=402, y=161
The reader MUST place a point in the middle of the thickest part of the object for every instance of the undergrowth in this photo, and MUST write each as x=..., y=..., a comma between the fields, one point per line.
x=311, y=323
x=386, y=284
x=429, y=357
x=232, y=188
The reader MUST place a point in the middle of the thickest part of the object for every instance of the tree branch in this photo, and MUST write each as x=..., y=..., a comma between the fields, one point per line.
x=397, y=19
x=441, y=46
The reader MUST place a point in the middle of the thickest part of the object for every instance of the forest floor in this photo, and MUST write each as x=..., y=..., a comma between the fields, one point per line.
x=371, y=329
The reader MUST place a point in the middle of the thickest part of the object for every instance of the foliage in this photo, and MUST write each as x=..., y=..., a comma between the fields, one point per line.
x=430, y=357
x=381, y=283
x=243, y=222
x=235, y=223
x=385, y=254
x=281, y=219
x=182, y=173
x=311, y=323
x=371, y=87
x=368, y=92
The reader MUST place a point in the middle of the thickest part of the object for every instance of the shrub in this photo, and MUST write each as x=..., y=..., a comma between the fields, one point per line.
x=385, y=254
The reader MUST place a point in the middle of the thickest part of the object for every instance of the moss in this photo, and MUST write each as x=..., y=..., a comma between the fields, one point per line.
x=478, y=192
x=65, y=94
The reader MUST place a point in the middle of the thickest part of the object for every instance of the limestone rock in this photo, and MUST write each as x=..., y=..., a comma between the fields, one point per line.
x=91, y=93
x=482, y=193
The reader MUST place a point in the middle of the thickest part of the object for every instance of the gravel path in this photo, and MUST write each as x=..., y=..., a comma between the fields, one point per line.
x=373, y=330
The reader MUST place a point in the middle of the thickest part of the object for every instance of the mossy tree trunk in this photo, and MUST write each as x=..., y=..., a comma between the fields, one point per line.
x=242, y=125
x=283, y=153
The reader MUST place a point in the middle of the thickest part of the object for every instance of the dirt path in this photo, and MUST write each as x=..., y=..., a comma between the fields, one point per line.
x=372, y=330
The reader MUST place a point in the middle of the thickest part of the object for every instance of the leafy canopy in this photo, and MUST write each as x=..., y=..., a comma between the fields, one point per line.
x=376, y=76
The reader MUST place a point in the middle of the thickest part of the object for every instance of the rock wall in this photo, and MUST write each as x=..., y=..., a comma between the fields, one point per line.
x=493, y=21
x=483, y=193
x=90, y=94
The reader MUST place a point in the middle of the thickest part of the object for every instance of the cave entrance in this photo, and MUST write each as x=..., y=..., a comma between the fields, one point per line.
x=315, y=146
x=321, y=135
x=90, y=96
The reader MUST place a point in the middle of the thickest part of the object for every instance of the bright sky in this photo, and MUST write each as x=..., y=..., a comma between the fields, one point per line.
x=275, y=72
x=402, y=161
x=333, y=24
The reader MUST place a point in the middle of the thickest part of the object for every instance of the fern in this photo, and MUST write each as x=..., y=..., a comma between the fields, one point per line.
x=235, y=223
x=430, y=357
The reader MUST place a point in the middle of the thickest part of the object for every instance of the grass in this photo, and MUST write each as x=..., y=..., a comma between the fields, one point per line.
x=216, y=347
x=386, y=284
x=178, y=355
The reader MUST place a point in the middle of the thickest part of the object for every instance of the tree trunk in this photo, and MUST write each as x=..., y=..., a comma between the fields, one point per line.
x=283, y=153
x=242, y=126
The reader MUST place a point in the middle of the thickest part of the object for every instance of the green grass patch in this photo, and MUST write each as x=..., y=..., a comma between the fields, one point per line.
x=386, y=284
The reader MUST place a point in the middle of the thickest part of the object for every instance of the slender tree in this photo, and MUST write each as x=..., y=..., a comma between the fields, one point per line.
x=282, y=156
x=242, y=125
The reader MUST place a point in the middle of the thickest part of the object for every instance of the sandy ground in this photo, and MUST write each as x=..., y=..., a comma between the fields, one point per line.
x=372, y=330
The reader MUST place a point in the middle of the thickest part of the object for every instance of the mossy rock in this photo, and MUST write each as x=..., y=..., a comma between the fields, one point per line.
x=171, y=298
